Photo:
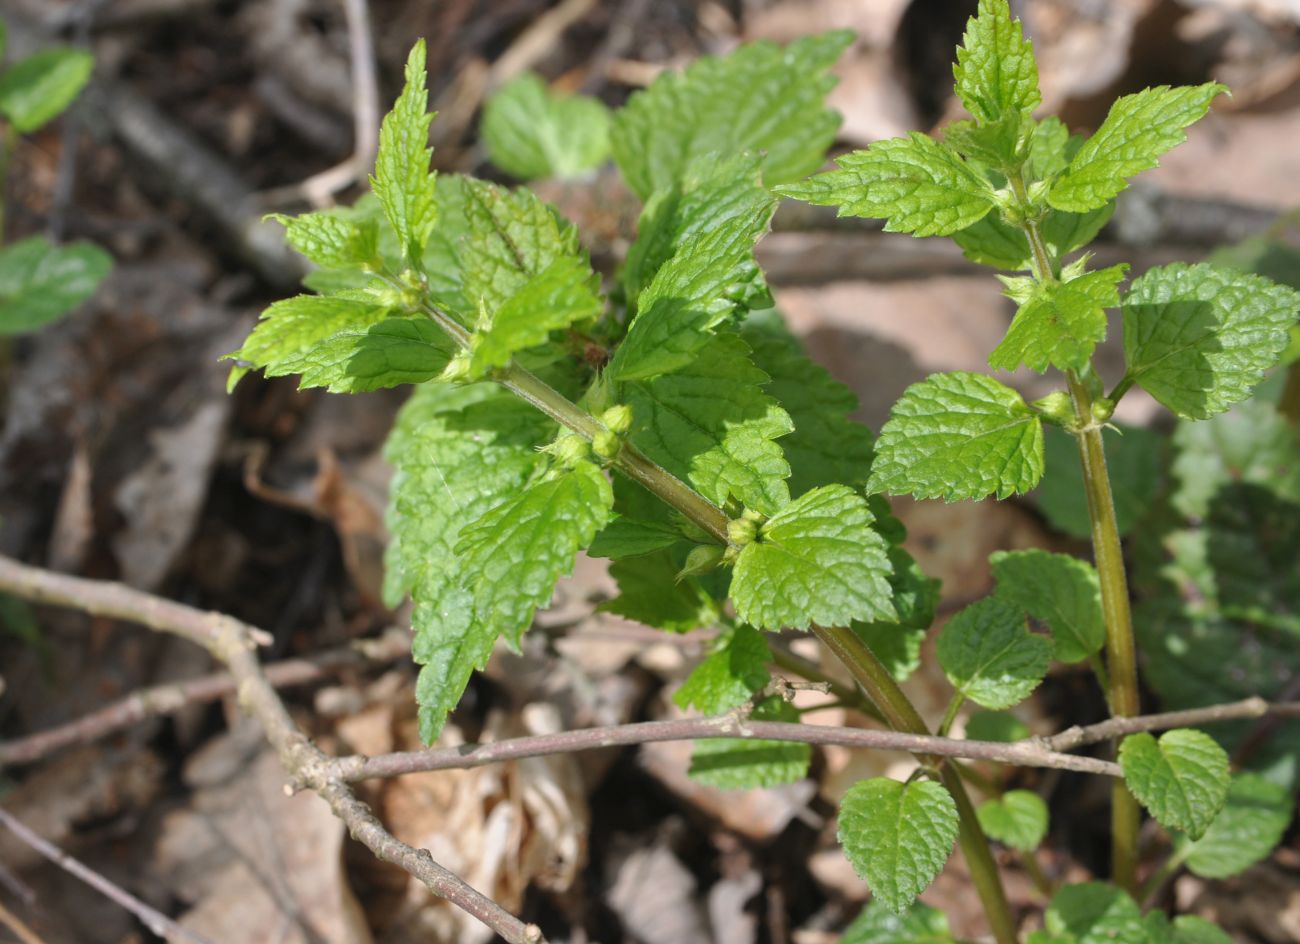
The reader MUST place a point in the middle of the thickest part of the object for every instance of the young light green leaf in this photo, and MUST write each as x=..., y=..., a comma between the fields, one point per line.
x=826, y=446
x=990, y=656
x=1182, y=778
x=511, y=236
x=747, y=763
x=1198, y=338
x=1253, y=443
x=1095, y=913
x=733, y=673
x=402, y=180
x=1061, y=325
x=1134, y=460
x=1058, y=589
x=956, y=436
x=995, y=726
x=761, y=98
x=897, y=836
x=358, y=359
x=919, y=185
x=1138, y=129
x=457, y=452
x=565, y=293
x=1018, y=819
x=531, y=132
x=919, y=924
x=1251, y=824
x=332, y=239
x=40, y=282
x=711, y=423
x=995, y=71
x=710, y=272
x=38, y=88
x=650, y=592
x=514, y=554
x=714, y=194
x=817, y=560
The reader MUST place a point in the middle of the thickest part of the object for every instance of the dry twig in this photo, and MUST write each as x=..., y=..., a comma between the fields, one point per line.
x=155, y=921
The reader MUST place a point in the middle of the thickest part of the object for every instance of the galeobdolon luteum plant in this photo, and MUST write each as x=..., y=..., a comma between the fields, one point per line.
x=672, y=424
x=41, y=282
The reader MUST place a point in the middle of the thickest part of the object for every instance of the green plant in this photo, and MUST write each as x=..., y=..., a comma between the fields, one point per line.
x=679, y=430
x=41, y=282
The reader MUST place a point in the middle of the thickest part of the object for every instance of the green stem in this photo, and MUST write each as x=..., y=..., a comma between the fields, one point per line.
x=1121, y=655
x=949, y=716
x=902, y=715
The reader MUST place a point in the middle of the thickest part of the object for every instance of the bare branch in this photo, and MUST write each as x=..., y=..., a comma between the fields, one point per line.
x=161, y=925
x=1021, y=753
x=234, y=643
x=1075, y=737
x=171, y=698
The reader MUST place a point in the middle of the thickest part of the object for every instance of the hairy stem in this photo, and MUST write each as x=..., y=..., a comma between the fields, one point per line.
x=903, y=716
x=1121, y=654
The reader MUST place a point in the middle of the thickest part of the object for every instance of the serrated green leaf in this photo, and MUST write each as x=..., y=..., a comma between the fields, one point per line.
x=1198, y=338
x=457, y=452
x=37, y=89
x=1134, y=461
x=1253, y=443
x=1184, y=929
x=995, y=71
x=331, y=239
x=995, y=726
x=345, y=345
x=1058, y=589
x=515, y=553
x=1182, y=778
x=826, y=446
x=630, y=537
x=991, y=242
x=1065, y=232
x=40, y=282
x=760, y=98
x=565, y=293
x=1062, y=324
x=919, y=185
x=390, y=353
x=957, y=436
x=1050, y=148
x=994, y=144
x=897, y=836
x=650, y=592
x=990, y=656
x=714, y=195
x=1253, y=821
x=919, y=924
x=402, y=180
x=712, y=424
x=531, y=132
x=1251, y=538
x=748, y=763
x=1018, y=819
x=1137, y=130
x=700, y=251
x=817, y=560
x=735, y=671
x=1094, y=913
x=510, y=237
